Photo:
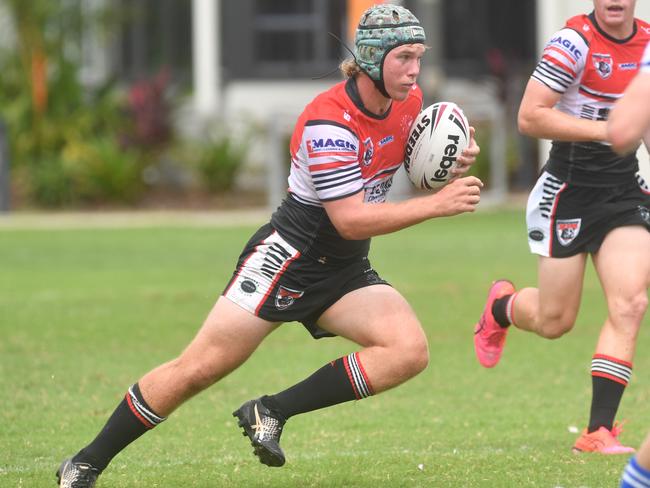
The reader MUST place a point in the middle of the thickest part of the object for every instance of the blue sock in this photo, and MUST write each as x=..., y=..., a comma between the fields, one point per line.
x=635, y=476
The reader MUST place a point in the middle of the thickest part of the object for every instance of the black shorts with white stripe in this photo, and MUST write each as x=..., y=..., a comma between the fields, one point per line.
x=565, y=219
x=276, y=282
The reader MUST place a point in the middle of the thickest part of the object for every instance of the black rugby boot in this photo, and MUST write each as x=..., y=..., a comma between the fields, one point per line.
x=76, y=475
x=264, y=429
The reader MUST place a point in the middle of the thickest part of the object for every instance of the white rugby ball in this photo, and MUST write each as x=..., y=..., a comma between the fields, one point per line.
x=437, y=137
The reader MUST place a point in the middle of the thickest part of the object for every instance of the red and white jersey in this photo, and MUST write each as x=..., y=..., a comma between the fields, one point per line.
x=338, y=149
x=591, y=70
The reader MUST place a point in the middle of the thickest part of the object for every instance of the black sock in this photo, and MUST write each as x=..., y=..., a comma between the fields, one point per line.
x=499, y=311
x=132, y=418
x=609, y=377
x=337, y=382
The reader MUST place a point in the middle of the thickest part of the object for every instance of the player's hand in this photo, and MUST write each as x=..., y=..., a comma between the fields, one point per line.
x=459, y=195
x=467, y=157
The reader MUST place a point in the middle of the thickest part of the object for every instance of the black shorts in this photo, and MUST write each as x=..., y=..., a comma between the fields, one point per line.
x=564, y=220
x=277, y=283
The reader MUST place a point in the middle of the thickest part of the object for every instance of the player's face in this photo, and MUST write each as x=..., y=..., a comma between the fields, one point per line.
x=614, y=13
x=401, y=69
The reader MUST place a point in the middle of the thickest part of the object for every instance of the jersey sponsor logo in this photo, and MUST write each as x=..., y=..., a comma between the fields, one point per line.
x=627, y=66
x=386, y=140
x=567, y=230
x=248, y=286
x=603, y=64
x=316, y=147
x=369, y=152
x=536, y=234
x=285, y=297
x=347, y=116
x=567, y=45
x=377, y=193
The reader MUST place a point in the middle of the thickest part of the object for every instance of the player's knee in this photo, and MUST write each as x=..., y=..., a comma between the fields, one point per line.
x=629, y=310
x=415, y=356
x=196, y=375
x=555, y=326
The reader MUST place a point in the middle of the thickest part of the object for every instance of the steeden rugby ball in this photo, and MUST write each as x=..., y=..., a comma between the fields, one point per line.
x=437, y=137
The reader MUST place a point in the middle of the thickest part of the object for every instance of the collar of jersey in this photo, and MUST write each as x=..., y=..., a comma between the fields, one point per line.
x=352, y=91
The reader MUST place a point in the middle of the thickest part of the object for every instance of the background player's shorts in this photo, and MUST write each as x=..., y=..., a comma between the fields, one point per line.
x=276, y=283
x=564, y=220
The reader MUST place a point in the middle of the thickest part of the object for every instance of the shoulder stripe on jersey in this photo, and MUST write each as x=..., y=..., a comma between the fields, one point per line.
x=336, y=174
x=330, y=165
x=562, y=53
x=554, y=71
x=543, y=81
x=330, y=122
x=339, y=197
x=339, y=182
x=344, y=156
x=306, y=201
x=559, y=65
x=549, y=79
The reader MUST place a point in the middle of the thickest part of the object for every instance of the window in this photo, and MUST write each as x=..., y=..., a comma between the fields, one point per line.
x=153, y=34
x=481, y=34
x=281, y=39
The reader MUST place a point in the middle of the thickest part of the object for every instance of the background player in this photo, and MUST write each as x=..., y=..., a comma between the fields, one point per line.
x=587, y=201
x=310, y=264
x=628, y=123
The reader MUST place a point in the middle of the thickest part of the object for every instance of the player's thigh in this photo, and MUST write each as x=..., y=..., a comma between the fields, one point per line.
x=375, y=315
x=229, y=335
x=560, y=282
x=623, y=262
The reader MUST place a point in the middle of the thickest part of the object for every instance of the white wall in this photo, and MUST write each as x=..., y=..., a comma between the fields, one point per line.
x=551, y=15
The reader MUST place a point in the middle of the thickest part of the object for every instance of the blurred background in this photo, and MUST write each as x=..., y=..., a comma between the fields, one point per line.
x=132, y=104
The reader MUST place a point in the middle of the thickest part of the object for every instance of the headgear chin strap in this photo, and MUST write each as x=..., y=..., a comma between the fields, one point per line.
x=381, y=29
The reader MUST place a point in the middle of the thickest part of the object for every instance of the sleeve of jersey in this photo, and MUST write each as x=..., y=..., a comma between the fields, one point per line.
x=331, y=151
x=562, y=61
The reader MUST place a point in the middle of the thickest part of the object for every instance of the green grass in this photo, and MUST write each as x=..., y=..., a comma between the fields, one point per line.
x=84, y=313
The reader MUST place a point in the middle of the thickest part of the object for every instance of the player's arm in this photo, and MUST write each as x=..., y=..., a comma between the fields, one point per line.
x=355, y=219
x=629, y=120
x=537, y=118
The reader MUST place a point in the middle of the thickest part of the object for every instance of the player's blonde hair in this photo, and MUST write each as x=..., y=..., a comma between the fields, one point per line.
x=349, y=68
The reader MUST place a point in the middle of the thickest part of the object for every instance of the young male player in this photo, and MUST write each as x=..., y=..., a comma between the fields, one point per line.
x=588, y=201
x=310, y=262
x=629, y=122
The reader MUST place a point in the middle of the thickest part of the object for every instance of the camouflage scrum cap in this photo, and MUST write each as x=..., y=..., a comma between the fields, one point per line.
x=382, y=28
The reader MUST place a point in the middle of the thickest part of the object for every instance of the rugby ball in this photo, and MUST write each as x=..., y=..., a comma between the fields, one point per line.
x=437, y=137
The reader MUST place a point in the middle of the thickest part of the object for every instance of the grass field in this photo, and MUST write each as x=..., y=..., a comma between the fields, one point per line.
x=85, y=312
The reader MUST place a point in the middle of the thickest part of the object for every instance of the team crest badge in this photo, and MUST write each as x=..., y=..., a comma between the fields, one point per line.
x=603, y=64
x=369, y=152
x=286, y=297
x=567, y=230
x=645, y=214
